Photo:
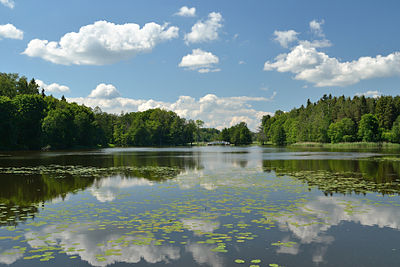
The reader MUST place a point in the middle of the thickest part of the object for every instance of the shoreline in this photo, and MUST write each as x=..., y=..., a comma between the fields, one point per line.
x=348, y=145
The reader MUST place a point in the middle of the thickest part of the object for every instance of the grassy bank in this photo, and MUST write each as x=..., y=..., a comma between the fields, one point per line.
x=353, y=145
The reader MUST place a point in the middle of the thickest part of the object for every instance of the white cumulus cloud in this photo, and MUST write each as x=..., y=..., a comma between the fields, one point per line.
x=101, y=43
x=8, y=3
x=11, y=32
x=316, y=27
x=205, y=31
x=374, y=94
x=284, y=38
x=105, y=91
x=186, y=12
x=216, y=112
x=316, y=43
x=308, y=63
x=311, y=65
x=200, y=61
x=53, y=88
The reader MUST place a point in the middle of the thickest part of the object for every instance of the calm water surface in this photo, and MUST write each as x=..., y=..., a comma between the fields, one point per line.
x=207, y=206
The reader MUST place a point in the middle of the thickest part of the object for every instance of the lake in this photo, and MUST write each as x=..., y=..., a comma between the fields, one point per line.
x=200, y=206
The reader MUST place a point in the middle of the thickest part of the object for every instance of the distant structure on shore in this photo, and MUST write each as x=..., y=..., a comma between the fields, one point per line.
x=218, y=143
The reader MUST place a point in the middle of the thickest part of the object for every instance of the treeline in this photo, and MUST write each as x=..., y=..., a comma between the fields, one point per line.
x=153, y=127
x=335, y=119
x=31, y=120
x=208, y=134
x=237, y=135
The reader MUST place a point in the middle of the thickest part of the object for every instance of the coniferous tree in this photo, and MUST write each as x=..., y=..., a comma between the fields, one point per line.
x=326, y=120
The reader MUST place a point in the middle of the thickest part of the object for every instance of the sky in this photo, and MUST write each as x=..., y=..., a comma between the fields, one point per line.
x=221, y=61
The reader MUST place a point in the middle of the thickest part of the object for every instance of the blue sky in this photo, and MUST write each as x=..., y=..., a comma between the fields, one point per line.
x=219, y=61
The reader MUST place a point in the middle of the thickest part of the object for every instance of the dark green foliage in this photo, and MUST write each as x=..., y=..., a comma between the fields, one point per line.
x=25, y=88
x=104, y=127
x=245, y=134
x=7, y=127
x=368, y=130
x=188, y=132
x=266, y=123
x=83, y=125
x=199, y=124
x=225, y=136
x=154, y=127
x=260, y=136
x=278, y=136
x=385, y=112
x=29, y=120
x=8, y=84
x=205, y=134
x=395, y=134
x=334, y=119
x=11, y=85
x=57, y=128
x=30, y=111
x=342, y=131
x=274, y=127
x=68, y=125
x=208, y=134
x=32, y=122
x=237, y=135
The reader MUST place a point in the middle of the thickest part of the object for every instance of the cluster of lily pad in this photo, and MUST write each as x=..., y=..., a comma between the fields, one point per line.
x=62, y=171
x=233, y=215
x=343, y=183
x=191, y=216
x=11, y=215
x=253, y=262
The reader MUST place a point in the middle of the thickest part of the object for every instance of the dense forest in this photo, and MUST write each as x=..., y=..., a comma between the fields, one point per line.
x=31, y=120
x=237, y=135
x=334, y=120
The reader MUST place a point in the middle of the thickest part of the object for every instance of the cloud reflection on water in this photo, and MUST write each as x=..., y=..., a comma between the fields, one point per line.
x=318, y=216
x=87, y=241
x=107, y=189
